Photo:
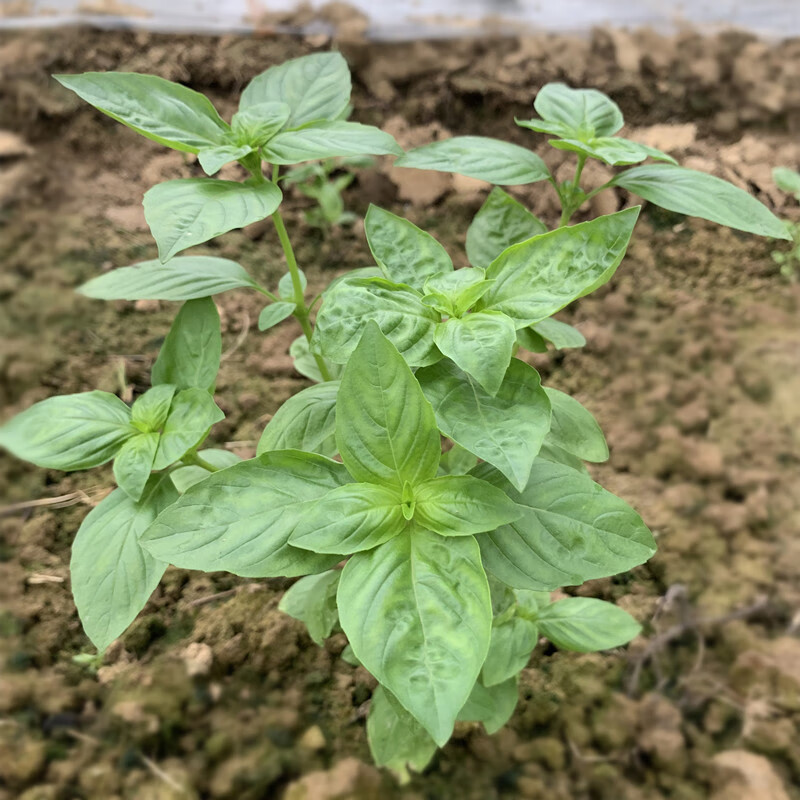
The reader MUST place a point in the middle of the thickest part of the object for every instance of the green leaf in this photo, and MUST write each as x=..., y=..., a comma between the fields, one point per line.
x=274, y=314
x=312, y=600
x=314, y=87
x=306, y=364
x=328, y=140
x=574, y=429
x=396, y=740
x=134, y=462
x=479, y=157
x=510, y=650
x=187, y=476
x=150, y=410
x=575, y=113
x=112, y=576
x=69, y=432
x=181, y=278
x=397, y=309
x=457, y=291
x=572, y=531
x=214, y=159
x=530, y=340
x=460, y=505
x=500, y=222
x=506, y=430
x=405, y=253
x=536, y=278
x=306, y=421
x=418, y=614
x=190, y=211
x=613, y=150
x=559, y=333
x=257, y=124
x=385, y=428
x=551, y=452
x=350, y=518
x=481, y=344
x=787, y=180
x=192, y=414
x=165, y=112
x=491, y=706
x=239, y=519
x=190, y=355
x=700, y=195
x=587, y=625
x=457, y=461
x=286, y=285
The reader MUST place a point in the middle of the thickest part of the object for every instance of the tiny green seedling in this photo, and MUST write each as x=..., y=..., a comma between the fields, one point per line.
x=789, y=260
x=318, y=182
x=426, y=456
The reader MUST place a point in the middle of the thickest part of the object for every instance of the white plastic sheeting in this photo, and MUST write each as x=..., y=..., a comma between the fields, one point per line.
x=402, y=19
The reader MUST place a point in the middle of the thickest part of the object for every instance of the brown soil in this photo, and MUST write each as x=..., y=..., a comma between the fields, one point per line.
x=692, y=367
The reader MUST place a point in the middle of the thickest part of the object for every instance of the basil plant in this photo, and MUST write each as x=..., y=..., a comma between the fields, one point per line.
x=426, y=489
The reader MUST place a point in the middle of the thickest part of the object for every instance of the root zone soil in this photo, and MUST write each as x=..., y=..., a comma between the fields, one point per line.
x=692, y=367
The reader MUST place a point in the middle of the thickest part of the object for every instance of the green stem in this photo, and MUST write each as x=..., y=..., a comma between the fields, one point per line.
x=301, y=309
x=194, y=460
x=569, y=208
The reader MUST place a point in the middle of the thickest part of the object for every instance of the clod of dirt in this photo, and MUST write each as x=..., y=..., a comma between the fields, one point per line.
x=350, y=779
x=746, y=776
x=198, y=658
x=22, y=759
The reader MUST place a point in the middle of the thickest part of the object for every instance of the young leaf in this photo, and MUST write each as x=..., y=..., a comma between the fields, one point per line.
x=286, y=285
x=572, y=531
x=190, y=355
x=112, y=576
x=500, y=222
x=510, y=650
x=536, y=278
x=192, y=414
x=506, y=430
x=385, y=428
x=491, y=706
x=405, y=253
x=481, y=344
x=134, y=462
x=312, y=600
x=240, y=519
x=787, y=180
x=274, y=314
x=351, y=518
x=574, y=429
x=213, y=159
x=575, y=113
x=700, y=195
x=257, y=124
x=161, y=110
x=306, y=364
x=306, y=421
x=613, y=150
x=69, y=432
x=181, y=278
x=315, y=87
x=586, y=625
x=328, y=140
x=397, y=309
x=187, y=476
x=150, y=410
x=190, y=211
x=418, y=614
x=559, y=333
x=479, y=157
x=396, y=740
x=460, y=505
x=460, y=289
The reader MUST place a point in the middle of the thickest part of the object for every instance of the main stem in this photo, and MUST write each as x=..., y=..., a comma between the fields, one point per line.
x=569, y=208
x=300, y=309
